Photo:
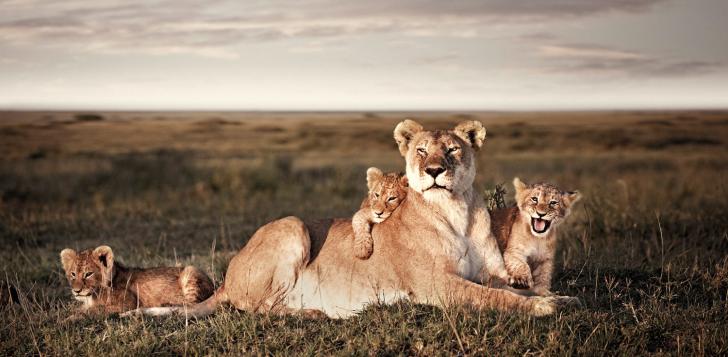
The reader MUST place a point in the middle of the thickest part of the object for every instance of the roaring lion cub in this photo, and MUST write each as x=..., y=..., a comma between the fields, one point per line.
x=386, y=192
x=526, y=233
x=107, y=286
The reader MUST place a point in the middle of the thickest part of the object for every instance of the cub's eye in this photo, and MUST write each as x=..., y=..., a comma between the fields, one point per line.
x=422, y=151
x=453, y=150
x=553, y=203
x=88, y=274
x=73, y=275
x=391, y=199
x=534, y=199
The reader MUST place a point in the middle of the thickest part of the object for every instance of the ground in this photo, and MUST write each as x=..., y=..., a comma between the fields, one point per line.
x=645, y=250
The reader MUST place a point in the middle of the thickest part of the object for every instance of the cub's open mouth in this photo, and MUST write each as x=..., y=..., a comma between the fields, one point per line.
x=540, y=225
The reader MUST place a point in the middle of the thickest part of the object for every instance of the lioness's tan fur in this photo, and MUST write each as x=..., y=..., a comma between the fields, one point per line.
x=528, y=254
x=386, y=193
x=106, y=286
x=436, y=248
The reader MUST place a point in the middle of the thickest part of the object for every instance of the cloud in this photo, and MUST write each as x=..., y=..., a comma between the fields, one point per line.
x=212, y=28
x=604, y=61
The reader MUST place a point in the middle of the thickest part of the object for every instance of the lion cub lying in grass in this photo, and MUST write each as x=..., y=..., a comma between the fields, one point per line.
x=386, y=192
x=526, y=233
x=105, y=286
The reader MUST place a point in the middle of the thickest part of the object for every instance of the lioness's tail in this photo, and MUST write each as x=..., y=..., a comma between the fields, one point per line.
x=202, y=309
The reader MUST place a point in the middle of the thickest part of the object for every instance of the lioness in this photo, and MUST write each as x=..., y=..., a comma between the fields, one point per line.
x=436, y=248
x=106, y=286
x=526, y=233
x=386, y=192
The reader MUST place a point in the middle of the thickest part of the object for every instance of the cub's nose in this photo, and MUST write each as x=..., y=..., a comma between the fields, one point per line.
x=379, y=213
x=434, y=170
x=540, y=214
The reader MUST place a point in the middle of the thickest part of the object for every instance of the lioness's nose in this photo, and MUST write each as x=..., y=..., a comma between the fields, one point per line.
x=434, y=170
x=379, y=213
x=76, y=290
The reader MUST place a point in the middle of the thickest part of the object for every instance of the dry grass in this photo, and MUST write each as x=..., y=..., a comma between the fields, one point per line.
x=646, y=250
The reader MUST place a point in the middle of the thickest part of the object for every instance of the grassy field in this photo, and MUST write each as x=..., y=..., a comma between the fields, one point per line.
x=645, y=251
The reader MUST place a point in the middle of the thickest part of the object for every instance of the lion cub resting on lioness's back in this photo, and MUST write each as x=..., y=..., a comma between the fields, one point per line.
x=386, y=192
x=526, y=233
x=106, y=286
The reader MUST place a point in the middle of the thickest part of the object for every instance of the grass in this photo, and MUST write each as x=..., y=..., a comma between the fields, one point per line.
x=645, y=251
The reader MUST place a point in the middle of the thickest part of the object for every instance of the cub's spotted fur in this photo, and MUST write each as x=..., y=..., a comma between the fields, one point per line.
x=386, y=192
x=526, y=233
x=106, y=286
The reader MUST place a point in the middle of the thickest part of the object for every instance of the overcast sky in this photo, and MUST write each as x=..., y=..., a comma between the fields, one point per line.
x=368, y=55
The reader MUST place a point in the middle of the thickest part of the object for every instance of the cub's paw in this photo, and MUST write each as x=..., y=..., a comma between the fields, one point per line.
x=521, y=281
x=364, y=248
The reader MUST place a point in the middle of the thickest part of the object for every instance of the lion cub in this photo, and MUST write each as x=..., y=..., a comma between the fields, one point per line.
x=106, y=286
x=526, y=233
x=386, y=192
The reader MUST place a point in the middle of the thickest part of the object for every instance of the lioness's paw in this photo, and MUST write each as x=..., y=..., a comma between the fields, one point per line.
x=568, y=301
x=543, y=305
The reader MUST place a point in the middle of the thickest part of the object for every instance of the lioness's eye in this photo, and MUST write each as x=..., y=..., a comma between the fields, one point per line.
x=392, y=198
x=376, y=195
x=453, y=149
x=88, y=274
x=422, y=151
x=534, y=199
x=73, y=275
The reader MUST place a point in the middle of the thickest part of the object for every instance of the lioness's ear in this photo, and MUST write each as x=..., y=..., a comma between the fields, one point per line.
x=473, y=132
x=404, y=132
x=519, y=185
x=67, y=258
x=571, y=197
x=373, y=175
x=104, y=258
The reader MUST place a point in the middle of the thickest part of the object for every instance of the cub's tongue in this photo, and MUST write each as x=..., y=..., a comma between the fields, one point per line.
x=539, y=225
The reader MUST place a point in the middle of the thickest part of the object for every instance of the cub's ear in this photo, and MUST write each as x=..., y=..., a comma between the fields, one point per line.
x=571, y=197
x=519, y=185
x=104, y=258
x=473, y=132
x=404, y=132
x=404, y=181
x=373, y=176
x=67, y=258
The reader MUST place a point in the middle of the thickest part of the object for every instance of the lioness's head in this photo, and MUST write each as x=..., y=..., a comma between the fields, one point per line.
x=386, y=192
x=544, y=205
x=88, y=271
x=441, y=161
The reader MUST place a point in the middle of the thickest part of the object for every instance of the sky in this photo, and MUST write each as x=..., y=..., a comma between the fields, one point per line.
x=364, y=55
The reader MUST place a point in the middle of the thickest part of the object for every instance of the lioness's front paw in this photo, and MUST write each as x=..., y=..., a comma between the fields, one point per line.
x=568, y=301
x=547, y=305
x=543, y=305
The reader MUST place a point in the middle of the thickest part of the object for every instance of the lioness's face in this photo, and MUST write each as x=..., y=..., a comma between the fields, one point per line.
x=543, y=205
x=440, y=162
x=87, y=271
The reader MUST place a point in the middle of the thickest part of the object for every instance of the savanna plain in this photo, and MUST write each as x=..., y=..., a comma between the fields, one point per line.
x=645, y=250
